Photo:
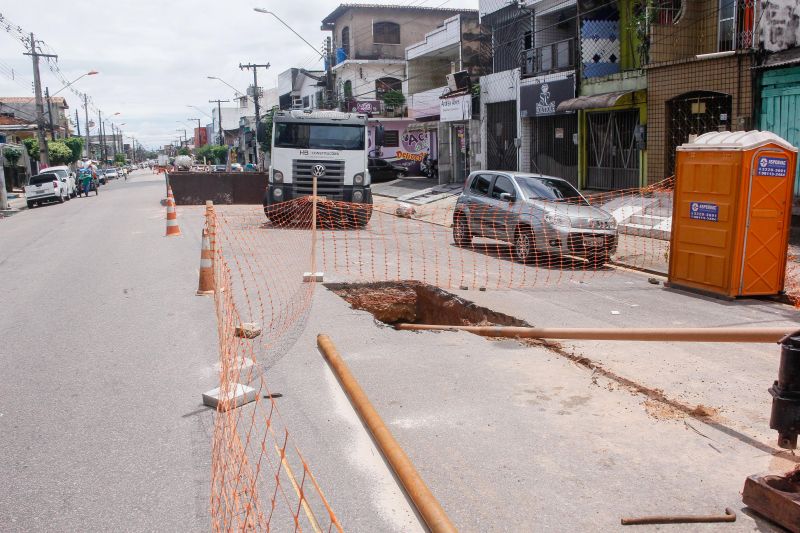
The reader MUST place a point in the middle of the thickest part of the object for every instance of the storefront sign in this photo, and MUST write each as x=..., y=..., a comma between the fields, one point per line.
x=776, y=167
x=411, y=157
x=455, y=109
x=542, y=99
x=416, y=142
x=704, y=211
x=366, y=106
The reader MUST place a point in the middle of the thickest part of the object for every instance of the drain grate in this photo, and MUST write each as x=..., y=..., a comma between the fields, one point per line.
x=414, y=302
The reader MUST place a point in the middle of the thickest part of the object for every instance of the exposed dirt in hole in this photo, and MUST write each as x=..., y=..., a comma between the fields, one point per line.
x=414, y=302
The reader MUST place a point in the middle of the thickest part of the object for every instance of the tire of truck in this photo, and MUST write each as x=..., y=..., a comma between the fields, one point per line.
x=30, y=205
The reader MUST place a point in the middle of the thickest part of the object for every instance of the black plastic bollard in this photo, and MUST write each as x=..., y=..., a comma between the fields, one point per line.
x=785, y=393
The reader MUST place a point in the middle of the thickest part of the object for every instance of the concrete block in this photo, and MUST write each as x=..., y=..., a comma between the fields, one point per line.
x=238, y=396
x=316, y=277
x=248, y=330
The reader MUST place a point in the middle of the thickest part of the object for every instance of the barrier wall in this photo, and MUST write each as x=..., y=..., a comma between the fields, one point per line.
x=223, y=188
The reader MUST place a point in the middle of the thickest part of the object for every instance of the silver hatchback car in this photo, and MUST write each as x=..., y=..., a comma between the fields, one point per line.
x=536, y=214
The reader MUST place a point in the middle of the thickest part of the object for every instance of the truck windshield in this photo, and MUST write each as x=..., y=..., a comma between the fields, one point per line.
x=321, y=136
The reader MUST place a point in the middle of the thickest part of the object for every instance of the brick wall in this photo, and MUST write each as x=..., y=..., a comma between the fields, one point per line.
x=728, y=75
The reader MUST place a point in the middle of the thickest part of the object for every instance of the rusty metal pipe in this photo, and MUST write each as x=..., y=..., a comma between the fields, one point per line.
x=729, y=516
x=768, y=335
x=426, y=503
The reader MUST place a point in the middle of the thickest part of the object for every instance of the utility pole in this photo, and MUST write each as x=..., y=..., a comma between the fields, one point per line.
x=329, y=75
x=113, y=143
x=219, y=118
x=77, y=122
x=3, y=193
x=100, y=141
x=50, y=113
x=44, y=155
x=254, y=68
x=86, y=123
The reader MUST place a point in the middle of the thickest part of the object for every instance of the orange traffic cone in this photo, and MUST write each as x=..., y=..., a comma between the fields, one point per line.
x=206, y=285
x=173, y=230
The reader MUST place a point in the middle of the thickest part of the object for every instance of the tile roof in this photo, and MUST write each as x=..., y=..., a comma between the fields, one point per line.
x=58, y=100
x=339, y=11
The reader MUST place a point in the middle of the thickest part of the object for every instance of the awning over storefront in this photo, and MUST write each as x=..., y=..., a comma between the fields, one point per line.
x=597, y=101
x=781, y=59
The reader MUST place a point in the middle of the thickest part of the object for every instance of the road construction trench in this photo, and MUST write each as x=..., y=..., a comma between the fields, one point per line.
x=415, y=302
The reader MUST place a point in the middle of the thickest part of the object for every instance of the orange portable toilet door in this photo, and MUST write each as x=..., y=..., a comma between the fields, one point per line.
x=764, y=255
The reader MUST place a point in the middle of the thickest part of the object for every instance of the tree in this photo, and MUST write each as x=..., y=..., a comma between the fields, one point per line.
x=32, y=146
x=212, y=152
x=119, y=159
x=60, y=153
x=184, y=151
x=394, y=99
x=12, y=154
x=75, y=144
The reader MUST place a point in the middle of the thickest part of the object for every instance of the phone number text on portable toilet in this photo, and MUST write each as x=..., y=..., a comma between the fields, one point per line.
x=704, y=211
x=775, y=167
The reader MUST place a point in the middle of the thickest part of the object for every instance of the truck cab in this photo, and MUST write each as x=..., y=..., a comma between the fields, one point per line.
x=328, y=146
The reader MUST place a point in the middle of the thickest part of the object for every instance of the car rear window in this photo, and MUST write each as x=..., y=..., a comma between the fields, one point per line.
x=42, y=178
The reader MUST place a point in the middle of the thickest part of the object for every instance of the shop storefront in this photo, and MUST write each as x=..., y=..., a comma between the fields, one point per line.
x=406, y=142
x=455, y=116
x=780, y=103
x=553, y=132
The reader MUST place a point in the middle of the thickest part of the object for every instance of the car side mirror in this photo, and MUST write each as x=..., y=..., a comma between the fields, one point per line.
x=507, y=197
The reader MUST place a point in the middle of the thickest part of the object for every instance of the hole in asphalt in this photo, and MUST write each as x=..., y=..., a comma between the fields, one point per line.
x=414, y=302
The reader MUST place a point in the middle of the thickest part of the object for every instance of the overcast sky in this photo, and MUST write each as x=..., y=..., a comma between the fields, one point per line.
x=154, y=55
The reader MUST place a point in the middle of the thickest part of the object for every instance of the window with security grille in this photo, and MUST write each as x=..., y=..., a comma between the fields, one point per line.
x=386, y=33
x=391, y=139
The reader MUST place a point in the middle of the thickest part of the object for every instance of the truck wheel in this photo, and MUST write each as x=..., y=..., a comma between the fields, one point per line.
x=30, y=205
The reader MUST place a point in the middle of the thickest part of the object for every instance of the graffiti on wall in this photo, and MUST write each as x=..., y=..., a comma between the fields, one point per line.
x=779, y=26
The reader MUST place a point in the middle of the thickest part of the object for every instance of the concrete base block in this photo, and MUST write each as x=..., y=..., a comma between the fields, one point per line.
x=248, y=330
x=238, y=396
x=316, y=277
x=245, y=369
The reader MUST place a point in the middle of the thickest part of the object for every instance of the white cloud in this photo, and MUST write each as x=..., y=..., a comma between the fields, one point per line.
x=154, y=55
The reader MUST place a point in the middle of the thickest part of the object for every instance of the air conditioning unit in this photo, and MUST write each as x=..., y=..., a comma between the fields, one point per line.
x=458, y=80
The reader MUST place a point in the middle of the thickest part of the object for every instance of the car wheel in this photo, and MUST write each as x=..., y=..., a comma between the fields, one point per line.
x=30, y=205
x=524, y=244
x=461, y=233
x=60, y=199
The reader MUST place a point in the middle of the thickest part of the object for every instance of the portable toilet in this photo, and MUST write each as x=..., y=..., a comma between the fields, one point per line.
x=731, y=213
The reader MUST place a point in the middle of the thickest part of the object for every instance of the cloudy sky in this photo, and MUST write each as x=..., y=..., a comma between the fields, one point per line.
x=154, y=56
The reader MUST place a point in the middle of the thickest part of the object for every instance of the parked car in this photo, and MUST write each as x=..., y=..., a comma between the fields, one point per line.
x=46, y=187
x=536, y=214
x=64, y=172
x=219, y=168
x=383, y=170
x=111, y=173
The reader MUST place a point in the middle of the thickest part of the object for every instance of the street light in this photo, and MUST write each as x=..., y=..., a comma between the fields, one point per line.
x=198, y=109
x=235, y=90
x=268, y=12
x=90, y=73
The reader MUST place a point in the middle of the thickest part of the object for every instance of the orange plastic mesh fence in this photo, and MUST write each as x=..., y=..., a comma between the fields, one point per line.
x=260, y=479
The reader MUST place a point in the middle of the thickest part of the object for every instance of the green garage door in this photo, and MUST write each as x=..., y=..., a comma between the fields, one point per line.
x=780, y=107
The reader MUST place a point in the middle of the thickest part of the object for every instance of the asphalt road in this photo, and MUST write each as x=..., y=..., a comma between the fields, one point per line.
x=104, y=352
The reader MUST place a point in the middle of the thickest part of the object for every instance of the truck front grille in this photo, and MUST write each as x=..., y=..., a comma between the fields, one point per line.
x=330, y=185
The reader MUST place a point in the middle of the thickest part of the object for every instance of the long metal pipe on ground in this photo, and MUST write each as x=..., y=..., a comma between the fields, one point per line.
x=768, y=335
x=426, y=503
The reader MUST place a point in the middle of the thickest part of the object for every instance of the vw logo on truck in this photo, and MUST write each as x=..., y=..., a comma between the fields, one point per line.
x=318, y=171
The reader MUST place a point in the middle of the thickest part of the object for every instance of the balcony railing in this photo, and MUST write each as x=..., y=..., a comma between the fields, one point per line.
x=553, y=57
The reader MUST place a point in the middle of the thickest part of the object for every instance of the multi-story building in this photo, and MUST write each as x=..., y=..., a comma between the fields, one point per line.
x=700, y=59
x=444, y=111
x=777, y=38
x=369, y=42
